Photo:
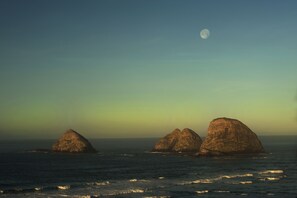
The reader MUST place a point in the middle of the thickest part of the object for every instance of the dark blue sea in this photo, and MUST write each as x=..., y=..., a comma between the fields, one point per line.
x=127, y=168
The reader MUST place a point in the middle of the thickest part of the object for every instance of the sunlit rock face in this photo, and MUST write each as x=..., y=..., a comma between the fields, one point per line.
x=230, y=136
x=73, y=142
x=179, y=141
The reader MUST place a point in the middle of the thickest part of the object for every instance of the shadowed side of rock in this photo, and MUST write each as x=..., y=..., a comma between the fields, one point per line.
x=230, y=136
x=73, y=142
x=188, y=141
x=167, y=143
x=179, y=141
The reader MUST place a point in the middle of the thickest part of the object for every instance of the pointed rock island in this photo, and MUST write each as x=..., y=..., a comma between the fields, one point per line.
x=179, y=141
x=229, y=136
x=73, y=142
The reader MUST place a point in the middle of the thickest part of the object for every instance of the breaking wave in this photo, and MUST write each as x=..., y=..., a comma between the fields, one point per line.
x=272, y=172
x=246, y=182
x=202, y=191
x=202, y=181
x=271, y=175
x=133, y=180
x=138, y=180
x=222, y=191
x=128, y=191
x=64, y=187
x=215, y=179
x=102, y=183
x=235, y=176
x=270, y=179
x=38, y=188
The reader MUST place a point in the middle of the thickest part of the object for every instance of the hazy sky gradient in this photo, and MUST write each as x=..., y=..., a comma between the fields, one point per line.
x=140, y=69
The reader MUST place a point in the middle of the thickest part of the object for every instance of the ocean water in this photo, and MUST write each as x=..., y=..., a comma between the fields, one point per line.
x=127, y=168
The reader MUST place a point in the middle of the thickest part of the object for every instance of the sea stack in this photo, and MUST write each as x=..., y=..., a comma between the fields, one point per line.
x=186, y=141
x=73, y=142
x=229, y=136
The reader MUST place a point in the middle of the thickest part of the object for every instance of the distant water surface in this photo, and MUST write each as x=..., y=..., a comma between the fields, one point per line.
x=126, y=168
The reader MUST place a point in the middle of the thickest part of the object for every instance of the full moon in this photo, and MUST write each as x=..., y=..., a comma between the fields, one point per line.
x=204, y=34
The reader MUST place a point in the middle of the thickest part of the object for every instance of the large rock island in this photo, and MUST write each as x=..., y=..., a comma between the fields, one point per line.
x=229, y=136
x=179, y=141
x=73, y=142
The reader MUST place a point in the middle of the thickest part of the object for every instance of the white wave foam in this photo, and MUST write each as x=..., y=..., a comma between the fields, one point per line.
x=161, y=177
x=102, y=183
x=272, y=178
x=244, y=194
x=270, y=194
x=202, y=181
x=235, y=176
x=212, y=180
x=222, y=191
x=133, y=180
x=1, y=191
x=272, y=172
x=246, y=182
x=201, y=191
x=227, y=176
x=38, y=188
x=138, y=180
x=128, y=191
x=137, y=191
x=66, y=187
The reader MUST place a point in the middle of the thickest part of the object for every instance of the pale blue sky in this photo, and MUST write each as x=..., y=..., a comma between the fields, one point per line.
x=140, y=69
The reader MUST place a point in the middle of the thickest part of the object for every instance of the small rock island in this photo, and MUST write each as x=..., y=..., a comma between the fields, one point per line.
x=229, y=136
x=177, y=141
x=73, y=142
